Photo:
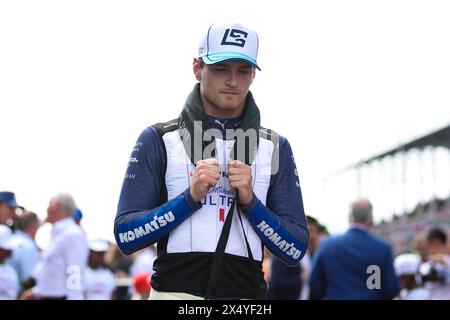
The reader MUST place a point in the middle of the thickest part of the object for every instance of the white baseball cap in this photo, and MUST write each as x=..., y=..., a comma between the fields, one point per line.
x=228, y=42
x=406, y=264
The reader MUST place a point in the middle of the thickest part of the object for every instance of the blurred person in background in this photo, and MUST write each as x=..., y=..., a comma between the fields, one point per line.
x=284, y=282
x=143, y=261
x=203, y=255
x=315, y=237
x=9, y=281
x=436, y=271
x=290, y=283
x=26, y=256
x=420, y=246
x=323, y=232
x=60, y=273
x=121, y=265
x=355, y=265
x=141, y=286
x=99, y=280
x=407, y=269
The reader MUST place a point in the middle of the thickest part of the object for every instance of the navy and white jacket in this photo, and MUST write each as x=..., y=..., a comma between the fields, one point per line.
x=155, y=206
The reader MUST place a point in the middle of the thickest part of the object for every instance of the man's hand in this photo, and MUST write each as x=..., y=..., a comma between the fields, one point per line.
x=206, y=176
x=240, y=177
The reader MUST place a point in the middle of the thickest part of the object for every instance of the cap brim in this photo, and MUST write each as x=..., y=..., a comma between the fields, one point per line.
x=228, y=56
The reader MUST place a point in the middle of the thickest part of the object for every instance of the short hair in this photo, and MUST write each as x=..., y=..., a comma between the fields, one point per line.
x=26, y=220
x=361, y=211
x=66, y=202
x=437, y=234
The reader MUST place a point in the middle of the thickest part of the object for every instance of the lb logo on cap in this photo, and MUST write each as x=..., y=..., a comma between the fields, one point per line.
x=237, y=37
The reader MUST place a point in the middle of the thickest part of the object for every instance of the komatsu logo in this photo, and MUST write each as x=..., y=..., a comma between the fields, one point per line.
x=278, y=241
x=147, y=228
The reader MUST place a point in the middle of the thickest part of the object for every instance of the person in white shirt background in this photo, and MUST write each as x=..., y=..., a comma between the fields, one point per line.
x=407, y=269
x=26, y=255
x=99, y=280
x=9, y=281
x=60, y=274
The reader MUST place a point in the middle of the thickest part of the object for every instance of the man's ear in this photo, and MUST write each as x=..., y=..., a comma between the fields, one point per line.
x=196, y=67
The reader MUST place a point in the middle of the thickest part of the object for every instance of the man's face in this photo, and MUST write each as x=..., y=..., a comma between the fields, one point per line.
x=224, y=87
x=6, y=213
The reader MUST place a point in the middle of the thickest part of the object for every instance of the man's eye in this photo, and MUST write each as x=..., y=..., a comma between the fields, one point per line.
x=220, y=69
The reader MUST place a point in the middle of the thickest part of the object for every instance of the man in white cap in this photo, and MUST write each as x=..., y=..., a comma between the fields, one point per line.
x=9, y=281
x=407, y=269
x=213, y=187
x=60, y=274
x=99, y=280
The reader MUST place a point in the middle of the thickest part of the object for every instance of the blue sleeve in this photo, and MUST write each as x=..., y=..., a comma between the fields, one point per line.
x=143, y=215
x=281, y=224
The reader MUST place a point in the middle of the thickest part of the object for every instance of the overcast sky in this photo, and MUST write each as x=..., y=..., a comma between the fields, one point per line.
x=342, y=80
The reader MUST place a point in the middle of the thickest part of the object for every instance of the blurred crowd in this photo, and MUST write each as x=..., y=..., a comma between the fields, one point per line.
x=354, y=265
x=73, y=266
